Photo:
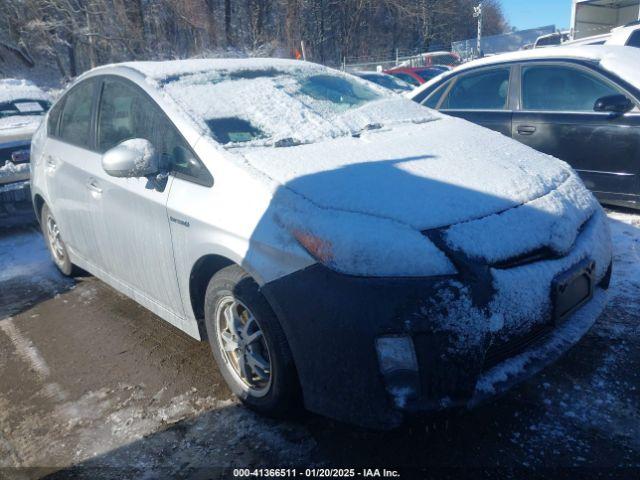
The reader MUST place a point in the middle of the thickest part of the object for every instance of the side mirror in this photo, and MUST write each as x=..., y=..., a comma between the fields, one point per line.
x=619, y=104
x=132, y=158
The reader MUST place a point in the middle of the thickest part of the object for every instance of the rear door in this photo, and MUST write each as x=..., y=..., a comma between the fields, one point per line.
x=482, y=97
x=69, y=160
x=557, y=117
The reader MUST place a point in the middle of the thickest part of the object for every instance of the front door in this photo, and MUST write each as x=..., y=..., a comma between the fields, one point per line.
x=136, y=239
x=482, y=97
x=557, y=117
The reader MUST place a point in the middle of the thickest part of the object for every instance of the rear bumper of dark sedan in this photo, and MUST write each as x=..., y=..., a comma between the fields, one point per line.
x=16, y=208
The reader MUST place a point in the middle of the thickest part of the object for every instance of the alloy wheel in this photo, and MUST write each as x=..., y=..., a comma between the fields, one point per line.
x=243, y=346
x=55, y=241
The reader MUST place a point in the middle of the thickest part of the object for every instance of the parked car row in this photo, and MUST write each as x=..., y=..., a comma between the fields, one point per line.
x=339, y=245
x=578, y=104
x=22, y=107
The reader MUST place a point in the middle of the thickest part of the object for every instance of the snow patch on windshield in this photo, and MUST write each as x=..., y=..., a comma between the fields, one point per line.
x=275, y=97
x=624, y=62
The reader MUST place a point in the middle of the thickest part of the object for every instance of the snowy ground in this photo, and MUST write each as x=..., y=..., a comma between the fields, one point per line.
x=89, y=380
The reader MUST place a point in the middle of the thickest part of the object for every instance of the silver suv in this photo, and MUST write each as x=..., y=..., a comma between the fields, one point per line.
x=336, y=243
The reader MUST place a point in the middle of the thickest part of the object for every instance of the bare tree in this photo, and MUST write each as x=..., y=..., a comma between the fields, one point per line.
x=71, y=36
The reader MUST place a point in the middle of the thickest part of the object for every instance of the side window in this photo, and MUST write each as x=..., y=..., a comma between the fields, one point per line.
x=407, y=78
x=486, y=90
x=552, y=88
x=75, y=121
x=634, y=39
x=433, y=100
x=126, y=112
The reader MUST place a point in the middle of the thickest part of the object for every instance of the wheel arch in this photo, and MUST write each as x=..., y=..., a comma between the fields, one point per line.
x=38, y=203
x=201, y=272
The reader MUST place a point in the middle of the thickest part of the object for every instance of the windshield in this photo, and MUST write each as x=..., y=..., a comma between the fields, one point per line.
x=388, y=81
x=284, y=106
x=24, y=107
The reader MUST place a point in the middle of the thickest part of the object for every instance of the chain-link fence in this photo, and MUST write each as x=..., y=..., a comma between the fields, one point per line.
x=465, y=49
x=509, y=42
x=415, y=57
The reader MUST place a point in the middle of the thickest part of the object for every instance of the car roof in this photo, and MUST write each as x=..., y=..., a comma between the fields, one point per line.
x=620, y=60
x=161, y=70
x=593, y=53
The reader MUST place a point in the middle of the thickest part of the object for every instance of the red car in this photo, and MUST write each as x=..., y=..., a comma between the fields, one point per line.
x=417, y=76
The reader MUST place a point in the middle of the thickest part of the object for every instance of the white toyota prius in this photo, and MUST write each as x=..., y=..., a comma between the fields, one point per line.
x=340, y=246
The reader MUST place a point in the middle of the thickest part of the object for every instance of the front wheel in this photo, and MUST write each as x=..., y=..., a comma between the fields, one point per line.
x=249, y=345
x=55, y=243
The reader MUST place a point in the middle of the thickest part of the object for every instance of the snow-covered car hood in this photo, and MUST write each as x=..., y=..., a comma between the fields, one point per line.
x=18, y=127
x=428, y=176
x=489, y=196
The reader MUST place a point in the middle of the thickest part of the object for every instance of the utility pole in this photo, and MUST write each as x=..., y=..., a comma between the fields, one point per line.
x=477, y=13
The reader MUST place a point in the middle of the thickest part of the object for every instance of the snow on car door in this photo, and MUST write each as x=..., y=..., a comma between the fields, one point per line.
x=69, y=162
x=136, y=239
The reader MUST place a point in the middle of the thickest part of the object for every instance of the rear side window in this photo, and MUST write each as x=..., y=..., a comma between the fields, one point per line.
x=126, y=112
x=75, y=121
x=434, y=98
x=553, y=88
x=486, y=90
x=634, y=39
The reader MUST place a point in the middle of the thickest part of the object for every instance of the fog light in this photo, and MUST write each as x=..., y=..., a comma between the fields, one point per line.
x=399, y=367
x=396, y=354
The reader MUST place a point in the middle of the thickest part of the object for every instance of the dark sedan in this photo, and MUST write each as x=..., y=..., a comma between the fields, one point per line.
x=580, y=104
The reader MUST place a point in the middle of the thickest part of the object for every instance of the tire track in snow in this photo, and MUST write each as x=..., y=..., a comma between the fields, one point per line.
x=31, y=355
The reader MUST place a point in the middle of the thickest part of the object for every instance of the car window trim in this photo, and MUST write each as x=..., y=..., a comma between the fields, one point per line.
x=576, y=66
x=474, y=71
x=446, y=85
x=198, y=181
x=60, y=103
x=91, y=147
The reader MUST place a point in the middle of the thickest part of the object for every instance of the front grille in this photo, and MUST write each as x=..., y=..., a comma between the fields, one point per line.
x=526, y=259
x=15, y=193
x=500, y=352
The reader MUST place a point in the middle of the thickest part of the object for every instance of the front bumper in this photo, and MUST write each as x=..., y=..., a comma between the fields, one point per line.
x=332, y=322
x=16, y=207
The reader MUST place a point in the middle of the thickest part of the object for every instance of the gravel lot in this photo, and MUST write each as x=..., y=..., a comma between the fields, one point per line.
x=92, y=382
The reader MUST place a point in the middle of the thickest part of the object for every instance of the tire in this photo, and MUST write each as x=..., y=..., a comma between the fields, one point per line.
x=57, y=249
x=233, y=290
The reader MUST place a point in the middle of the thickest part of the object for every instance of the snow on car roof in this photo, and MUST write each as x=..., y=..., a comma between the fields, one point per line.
x=15, y=89
x=276, y=102
x=161, y=70
x=621, y=61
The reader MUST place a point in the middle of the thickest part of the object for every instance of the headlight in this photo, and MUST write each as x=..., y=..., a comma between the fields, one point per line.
x=20, y=156
x=364, y=245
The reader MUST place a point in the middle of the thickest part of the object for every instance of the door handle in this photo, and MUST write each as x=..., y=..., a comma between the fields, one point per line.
x=52, y=163
x=92, y=185
x=526, y=129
